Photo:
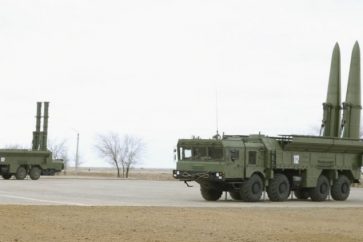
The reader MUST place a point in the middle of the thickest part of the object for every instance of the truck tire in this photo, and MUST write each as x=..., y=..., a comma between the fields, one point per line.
x=321, y=191
x=341, y=188
x=235, y=195
x=20, y=173
x=6, y=176
x=302, y=194
x=279, y=188
x=210, y=194
x=35, y=173
x=251, y=190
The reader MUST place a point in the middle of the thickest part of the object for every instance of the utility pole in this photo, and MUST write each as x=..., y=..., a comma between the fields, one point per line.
x=77, y=155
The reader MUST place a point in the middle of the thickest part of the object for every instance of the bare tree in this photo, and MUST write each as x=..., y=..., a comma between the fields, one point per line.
x=133, y=149
x=109, y=147
x=59, y=150
x=120, y=151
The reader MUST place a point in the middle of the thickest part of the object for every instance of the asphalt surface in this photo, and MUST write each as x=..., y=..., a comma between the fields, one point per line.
x=115, y=192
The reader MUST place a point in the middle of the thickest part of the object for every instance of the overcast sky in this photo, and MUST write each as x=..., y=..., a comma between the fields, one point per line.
x=152, y=68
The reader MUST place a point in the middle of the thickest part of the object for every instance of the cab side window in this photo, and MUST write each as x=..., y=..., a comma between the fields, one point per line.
x=252, y=157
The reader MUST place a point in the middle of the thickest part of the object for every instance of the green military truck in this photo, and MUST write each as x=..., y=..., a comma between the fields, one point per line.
x=35, y=162
x=247, y=165
x=310, y=166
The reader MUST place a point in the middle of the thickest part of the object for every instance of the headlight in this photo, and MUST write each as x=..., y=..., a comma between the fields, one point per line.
x=176, y=173
x=219, y=175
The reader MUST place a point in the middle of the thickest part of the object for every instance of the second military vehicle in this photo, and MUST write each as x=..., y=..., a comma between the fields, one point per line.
x=310, y=166
x=35, y=162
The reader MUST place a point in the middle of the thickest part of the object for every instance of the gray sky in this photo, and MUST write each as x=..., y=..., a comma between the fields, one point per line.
x=152, y=68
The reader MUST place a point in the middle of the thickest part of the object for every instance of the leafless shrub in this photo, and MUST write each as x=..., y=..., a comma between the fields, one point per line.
x=120, y=151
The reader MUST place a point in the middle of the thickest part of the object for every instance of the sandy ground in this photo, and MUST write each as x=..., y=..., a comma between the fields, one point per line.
x=72, y=223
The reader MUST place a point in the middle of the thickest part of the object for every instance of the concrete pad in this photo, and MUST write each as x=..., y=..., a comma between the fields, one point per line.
x=116, y=192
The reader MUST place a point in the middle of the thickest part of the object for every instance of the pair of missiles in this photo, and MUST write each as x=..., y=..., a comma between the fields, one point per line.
x=349, y=125
x=40, y=137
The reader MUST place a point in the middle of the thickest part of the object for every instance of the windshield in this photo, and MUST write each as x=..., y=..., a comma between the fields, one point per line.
x=200, y=153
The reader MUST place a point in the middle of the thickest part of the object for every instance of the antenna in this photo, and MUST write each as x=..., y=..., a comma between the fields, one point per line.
x=217, y=136
x=217, y=110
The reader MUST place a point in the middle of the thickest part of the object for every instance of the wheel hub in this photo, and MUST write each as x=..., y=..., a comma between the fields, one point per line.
x=256, y=188
x=324, y=188
x=345, y=188
x=282, y=187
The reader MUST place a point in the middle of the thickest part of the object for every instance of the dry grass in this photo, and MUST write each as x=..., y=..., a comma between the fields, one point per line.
x=136, y=174
x=68, y=223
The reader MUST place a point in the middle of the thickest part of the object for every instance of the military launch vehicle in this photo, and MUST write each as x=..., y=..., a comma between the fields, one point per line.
x=310, y=166
x=35, y=162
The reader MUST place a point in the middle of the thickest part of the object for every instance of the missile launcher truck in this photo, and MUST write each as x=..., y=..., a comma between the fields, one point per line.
x=310, y=166
x=35, y=162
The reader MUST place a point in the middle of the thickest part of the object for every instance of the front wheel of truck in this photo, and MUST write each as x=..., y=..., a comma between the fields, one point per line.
x=210, y=194
x=251, y=190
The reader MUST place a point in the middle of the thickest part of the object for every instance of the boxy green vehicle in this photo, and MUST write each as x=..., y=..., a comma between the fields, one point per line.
x=310, y=166
x=247, y=165
x=35, y=162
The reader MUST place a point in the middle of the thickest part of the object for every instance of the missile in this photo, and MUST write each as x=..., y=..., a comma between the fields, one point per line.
x=350, y=125
x=331, y=108
x=45, y=127
x=36, y=133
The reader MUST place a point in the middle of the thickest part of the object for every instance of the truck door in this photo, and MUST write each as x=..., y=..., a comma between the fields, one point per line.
x=234, y=162
x=254, y=160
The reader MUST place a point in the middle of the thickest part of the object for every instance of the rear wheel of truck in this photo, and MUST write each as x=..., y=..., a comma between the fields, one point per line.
x=34, y=173
x=251, y=190
x=6, y=176
x=279, y=188
x=341, y=188
x=235, y=195
x=321, y=191
x=20, y=173
x=302, y=194
x=210, y=194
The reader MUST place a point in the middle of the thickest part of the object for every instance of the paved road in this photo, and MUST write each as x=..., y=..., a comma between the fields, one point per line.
x=109, y=192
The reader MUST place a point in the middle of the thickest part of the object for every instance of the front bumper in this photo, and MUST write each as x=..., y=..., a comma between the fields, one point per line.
x=197, y=175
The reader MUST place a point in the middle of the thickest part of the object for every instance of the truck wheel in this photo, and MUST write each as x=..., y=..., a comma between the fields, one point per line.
x=279, y=188
x=320, y=192
x=210, y=194
x=6, y=176
x=235, y=195
x=34, y=173
x=251, y=190
x=20, y=173
x=341, y=188
x=302, y=194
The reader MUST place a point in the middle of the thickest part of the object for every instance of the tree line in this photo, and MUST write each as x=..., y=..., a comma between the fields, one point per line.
x=120, y=151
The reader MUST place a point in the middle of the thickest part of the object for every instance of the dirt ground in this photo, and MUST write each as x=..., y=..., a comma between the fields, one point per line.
x=69, y=223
